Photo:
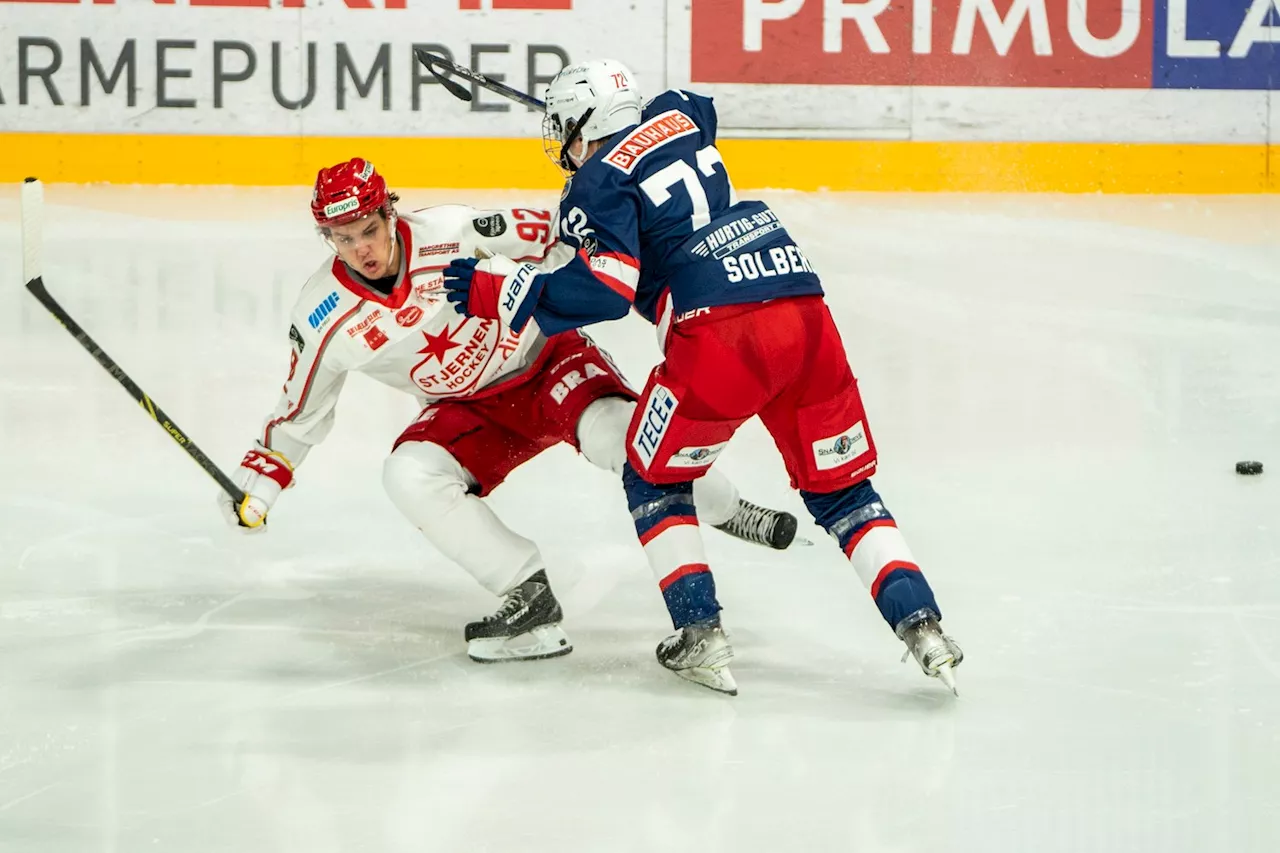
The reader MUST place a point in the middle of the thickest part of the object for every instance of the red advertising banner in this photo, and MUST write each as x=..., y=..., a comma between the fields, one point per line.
x=1076, y=43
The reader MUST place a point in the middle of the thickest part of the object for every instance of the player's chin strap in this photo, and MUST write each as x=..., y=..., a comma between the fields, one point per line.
x=392, y=219
x=566, y=159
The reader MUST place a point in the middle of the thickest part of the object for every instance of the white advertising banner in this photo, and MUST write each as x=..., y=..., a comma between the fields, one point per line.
x=1184, y=71
x=277, y=67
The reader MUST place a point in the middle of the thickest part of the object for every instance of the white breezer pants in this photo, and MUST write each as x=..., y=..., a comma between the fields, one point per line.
x=430, y=488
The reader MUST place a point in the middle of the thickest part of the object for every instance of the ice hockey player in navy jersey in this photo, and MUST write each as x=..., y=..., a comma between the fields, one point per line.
x=744, y=329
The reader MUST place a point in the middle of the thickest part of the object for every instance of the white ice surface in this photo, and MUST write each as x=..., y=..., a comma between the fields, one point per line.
x=1059, y=388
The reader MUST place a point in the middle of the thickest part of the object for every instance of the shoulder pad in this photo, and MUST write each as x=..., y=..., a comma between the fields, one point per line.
x=438, y=232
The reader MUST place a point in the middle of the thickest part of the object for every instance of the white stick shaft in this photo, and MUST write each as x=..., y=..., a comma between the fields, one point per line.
x=32, y=229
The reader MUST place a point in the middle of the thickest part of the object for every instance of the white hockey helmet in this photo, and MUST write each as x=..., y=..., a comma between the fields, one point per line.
x=588, y=101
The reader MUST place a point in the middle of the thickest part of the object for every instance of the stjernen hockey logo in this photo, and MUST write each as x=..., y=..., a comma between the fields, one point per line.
x=490, y=226
x=296, y=338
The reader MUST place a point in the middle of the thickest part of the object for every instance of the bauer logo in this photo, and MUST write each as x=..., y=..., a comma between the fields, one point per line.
x=322, y=311
x=658, y=410
x=835, y=451
x=337, y=208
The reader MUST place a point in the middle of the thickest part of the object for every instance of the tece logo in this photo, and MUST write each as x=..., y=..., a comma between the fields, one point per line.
x=658, y=411
x=322, y=311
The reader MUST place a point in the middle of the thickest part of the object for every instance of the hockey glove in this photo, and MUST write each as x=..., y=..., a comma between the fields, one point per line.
x=494, y=288
x=262, y=475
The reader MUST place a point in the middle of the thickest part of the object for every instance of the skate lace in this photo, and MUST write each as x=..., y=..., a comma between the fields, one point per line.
x=752, y=521
x=514, y=601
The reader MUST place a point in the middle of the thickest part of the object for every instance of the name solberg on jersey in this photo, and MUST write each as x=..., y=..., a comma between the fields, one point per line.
x=779, y=260
x=724, y=242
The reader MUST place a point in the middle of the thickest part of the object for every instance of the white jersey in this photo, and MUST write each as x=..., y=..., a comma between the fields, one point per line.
x=413, y=340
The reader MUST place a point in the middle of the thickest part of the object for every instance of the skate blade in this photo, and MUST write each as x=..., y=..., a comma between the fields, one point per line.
x=720, y=679
x=545, y=641
x=948, y=677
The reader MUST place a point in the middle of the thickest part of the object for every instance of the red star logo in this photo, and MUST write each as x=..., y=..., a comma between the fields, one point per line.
x=438, y=345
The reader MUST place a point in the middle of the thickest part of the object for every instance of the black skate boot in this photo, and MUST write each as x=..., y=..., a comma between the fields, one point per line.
x=701, y=653
x=526, y=626
x=761, y=525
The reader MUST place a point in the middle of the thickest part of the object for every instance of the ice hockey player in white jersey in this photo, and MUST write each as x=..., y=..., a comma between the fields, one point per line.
x=492, y=398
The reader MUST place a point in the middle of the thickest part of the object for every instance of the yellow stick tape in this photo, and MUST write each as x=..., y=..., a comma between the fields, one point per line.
x=754, y=163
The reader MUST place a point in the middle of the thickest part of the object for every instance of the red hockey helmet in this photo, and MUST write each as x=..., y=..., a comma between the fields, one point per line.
x=347, y=192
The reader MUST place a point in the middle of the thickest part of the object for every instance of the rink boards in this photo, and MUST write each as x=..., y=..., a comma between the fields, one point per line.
x=974, y=95
x=867, y=165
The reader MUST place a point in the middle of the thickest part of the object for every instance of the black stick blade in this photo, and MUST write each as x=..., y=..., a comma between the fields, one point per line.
x=443, y=69
x=430, y=60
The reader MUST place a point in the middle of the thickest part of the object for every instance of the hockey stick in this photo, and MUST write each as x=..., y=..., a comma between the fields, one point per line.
x=439, y=67
x=431, y=60
x=32, y=224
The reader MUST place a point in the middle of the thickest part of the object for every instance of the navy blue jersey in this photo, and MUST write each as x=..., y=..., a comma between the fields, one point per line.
x=656, y=224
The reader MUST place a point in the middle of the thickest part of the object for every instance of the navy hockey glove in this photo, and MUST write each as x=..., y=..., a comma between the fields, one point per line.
x=494, y=288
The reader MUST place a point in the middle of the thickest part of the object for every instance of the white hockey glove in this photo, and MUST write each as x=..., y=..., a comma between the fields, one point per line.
x=263, y=475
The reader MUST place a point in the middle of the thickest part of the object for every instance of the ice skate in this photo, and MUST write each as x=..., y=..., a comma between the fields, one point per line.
x=761, y=525
x=526, y=626
x=701, y=653
x=937, y=654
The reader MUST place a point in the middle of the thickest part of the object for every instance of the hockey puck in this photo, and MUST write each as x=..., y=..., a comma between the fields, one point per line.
x=1248, y=467
x=28, y=180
